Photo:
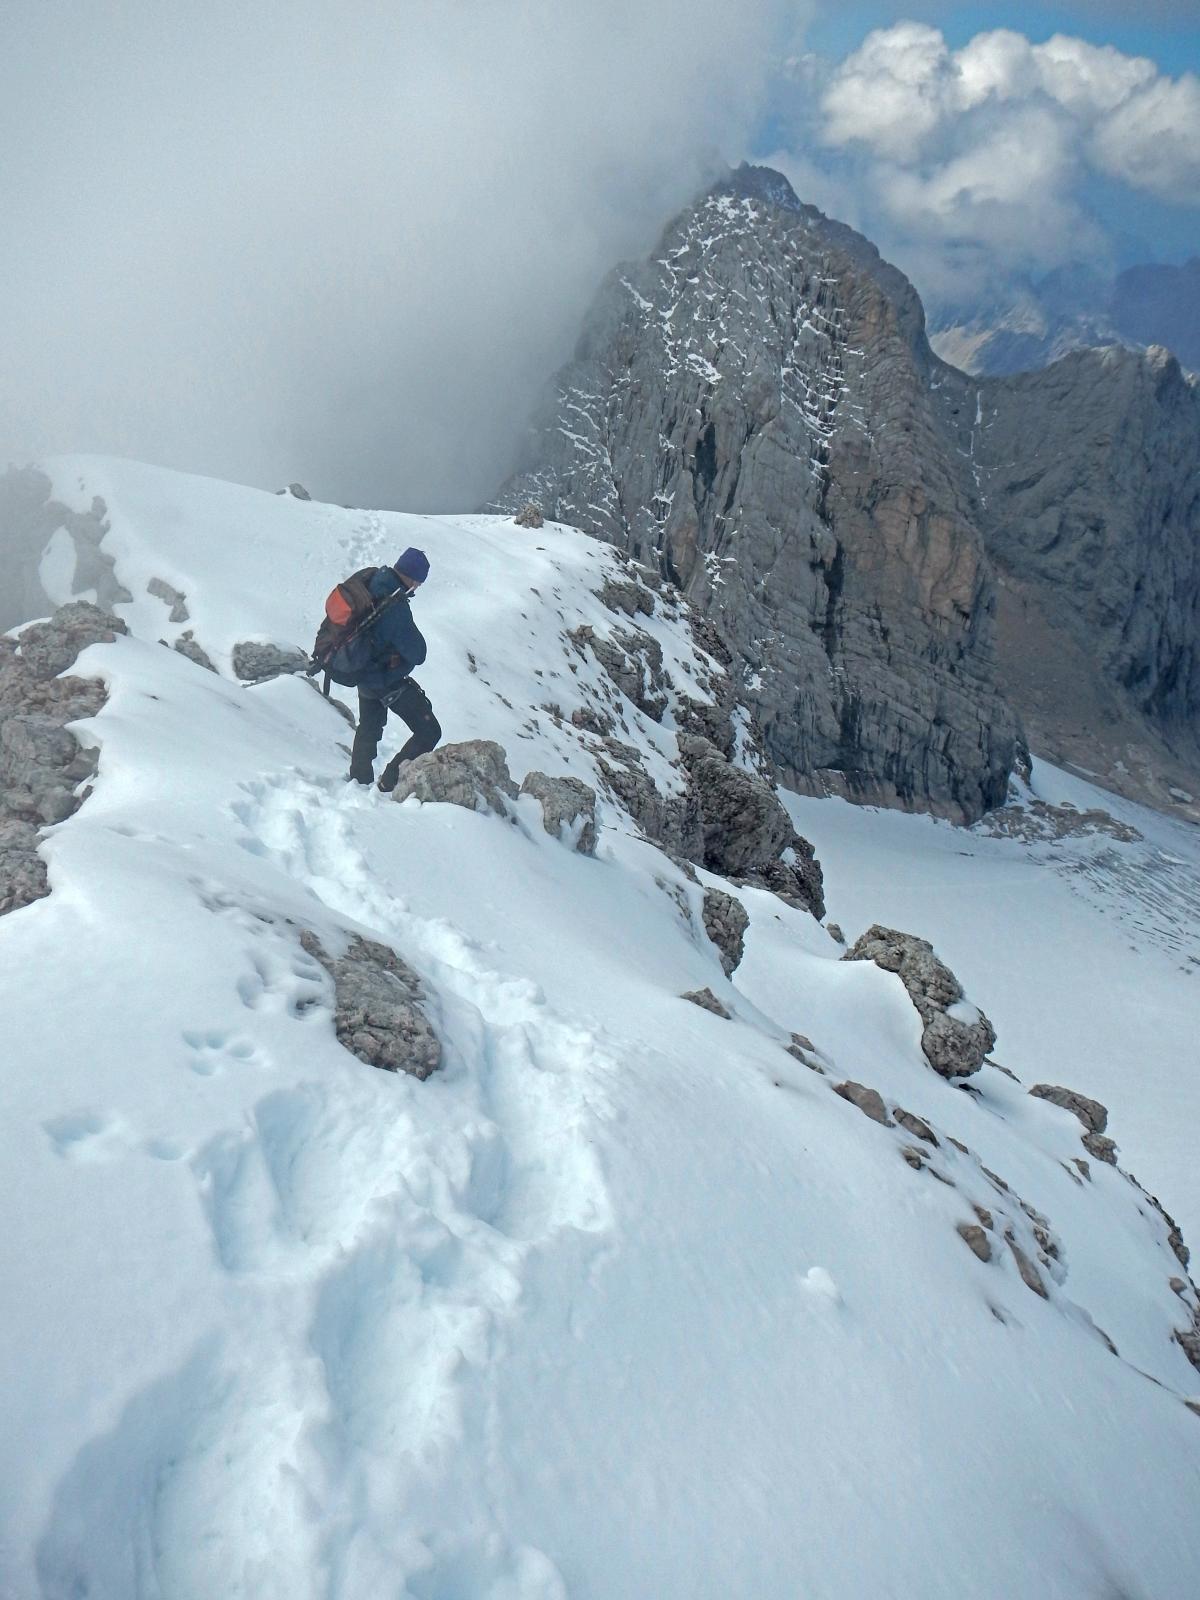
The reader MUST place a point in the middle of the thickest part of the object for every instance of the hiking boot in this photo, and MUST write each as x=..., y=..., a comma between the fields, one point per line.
x=356, y=775
x=389, y=777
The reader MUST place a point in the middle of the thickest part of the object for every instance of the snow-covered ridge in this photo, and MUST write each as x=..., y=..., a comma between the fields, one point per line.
x=626, y=1300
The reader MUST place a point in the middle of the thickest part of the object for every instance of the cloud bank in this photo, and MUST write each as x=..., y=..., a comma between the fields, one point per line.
x=972, y=166
x=336, y=240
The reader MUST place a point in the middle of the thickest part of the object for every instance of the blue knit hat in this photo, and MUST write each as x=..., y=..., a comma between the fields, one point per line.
x=414, y=565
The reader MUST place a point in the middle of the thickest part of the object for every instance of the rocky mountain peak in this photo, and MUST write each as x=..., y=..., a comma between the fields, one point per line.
x=756, y=410
x=749, y=410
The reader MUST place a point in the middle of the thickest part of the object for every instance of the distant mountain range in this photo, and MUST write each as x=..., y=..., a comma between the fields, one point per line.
x=1074, y=308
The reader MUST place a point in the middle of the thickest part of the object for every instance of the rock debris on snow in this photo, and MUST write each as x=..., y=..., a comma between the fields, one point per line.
x=162, y=590
x=256, y=661
x=379, y=1007
x=975, y=1239
x=568, y=809
x=869, y=1101
x=42, y=763
x=190, y=647
x=1091, y=1113
x=473, y=774
x=953, y=1046
x=725, y=923
x=707, y=1001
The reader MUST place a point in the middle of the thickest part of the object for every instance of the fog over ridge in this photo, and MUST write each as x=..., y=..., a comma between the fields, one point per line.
x=345, y=241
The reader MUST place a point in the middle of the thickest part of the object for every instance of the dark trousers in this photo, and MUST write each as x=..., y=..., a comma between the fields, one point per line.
x=411, y=704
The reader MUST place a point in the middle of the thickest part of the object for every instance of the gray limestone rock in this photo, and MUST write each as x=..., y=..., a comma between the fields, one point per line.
x=161, y=590
x=634, y=662
x=868, y=1101
x=627, y=596
x=22, y=870
x=744, y=824
x=473, y=774
x=1103, y=1148
x=568, y=809
x=379, y=1005
x=48, y=648
x=256, y=661
x=725, y=923
x=975, y=1239
x=194, y=651
x=1091, y=1113
x=914, y=1125
x=41, y=762
x=954, y=1046
x=707, y=1001
x=750, y=410
x=1030, y=1276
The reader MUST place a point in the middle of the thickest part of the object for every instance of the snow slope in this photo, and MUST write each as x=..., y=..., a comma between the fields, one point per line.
x=625, y=1301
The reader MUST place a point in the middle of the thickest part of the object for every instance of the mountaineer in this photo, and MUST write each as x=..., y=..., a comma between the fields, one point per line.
x=370, y=642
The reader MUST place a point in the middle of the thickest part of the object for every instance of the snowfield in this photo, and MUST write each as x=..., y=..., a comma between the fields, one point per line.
x=625, y=1303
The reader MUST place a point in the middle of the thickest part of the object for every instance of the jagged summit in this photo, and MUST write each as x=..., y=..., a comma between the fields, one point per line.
x=749, y=409
x=756, y=409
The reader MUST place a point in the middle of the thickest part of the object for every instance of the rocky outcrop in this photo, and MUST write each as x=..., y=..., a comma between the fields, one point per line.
x=42, y=764
x=956, y=1036
x=33, y=525
x=191, y=647
x=1091, y=1113
x=473, y=774
x=904, y=559
x=22, y=871
x=257, y=662
x=171, y=597
x=378, y=1010
x=634, y=662
x=749, y=410
x=745, y=830
x=869, y=1101
x=707, y=1001
x=568, y=809
x=725, y=923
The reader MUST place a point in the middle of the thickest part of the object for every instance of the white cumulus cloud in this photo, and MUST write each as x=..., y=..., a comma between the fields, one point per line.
x=969, y=166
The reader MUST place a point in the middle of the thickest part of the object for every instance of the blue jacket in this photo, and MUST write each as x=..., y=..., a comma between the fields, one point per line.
x=396, y=643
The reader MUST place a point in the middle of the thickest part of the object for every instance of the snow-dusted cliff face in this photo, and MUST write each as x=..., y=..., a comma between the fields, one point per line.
x=756, y=409
x=749, y=408
x=633, y=1296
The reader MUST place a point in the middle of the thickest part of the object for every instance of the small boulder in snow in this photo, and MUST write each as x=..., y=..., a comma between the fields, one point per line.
x=378, y=1014
x=745, y=829
x=975, y=1239
x=1102, y=1147
x=162, y=590
x=194, y=650
x=707, y=1001
x=627, y=596
x=868, y=1101
x=258, y=662
x=725, y=923
x=956, y=1037
x=473, y=774
x=568, y=809
x=1091, y=1113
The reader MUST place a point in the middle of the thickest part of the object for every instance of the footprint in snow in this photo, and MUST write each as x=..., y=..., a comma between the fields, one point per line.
x=88, y=1136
